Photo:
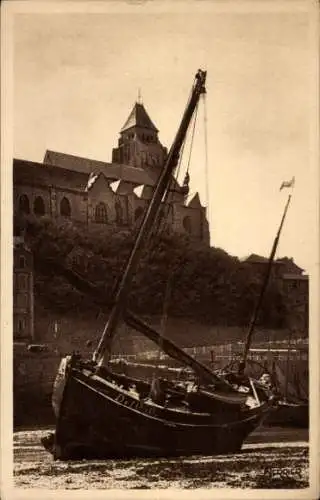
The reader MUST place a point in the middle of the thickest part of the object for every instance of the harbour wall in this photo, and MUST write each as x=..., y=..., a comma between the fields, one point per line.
x=69, y=332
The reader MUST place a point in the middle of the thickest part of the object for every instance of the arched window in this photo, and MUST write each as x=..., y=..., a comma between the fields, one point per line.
x=101, y=214
x=138, y=213
x=38, y=206
x=65, y=207
x=119, y=212
x=24, y=204
x=187, y=224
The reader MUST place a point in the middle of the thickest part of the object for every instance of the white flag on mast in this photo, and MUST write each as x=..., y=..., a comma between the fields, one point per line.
x=288, y=184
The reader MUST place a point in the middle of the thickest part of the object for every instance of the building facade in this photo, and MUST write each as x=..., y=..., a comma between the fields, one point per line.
x=294, y=285
x=95, y=192
x=23, y=296
x=296, y=291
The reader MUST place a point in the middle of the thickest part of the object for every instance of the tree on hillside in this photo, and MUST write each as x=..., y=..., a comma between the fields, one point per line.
x=206, y=283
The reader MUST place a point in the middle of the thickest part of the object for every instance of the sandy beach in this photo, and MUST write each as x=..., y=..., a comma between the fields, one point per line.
x=272, y=458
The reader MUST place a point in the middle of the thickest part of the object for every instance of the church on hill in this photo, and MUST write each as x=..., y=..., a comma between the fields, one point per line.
x=96, y=192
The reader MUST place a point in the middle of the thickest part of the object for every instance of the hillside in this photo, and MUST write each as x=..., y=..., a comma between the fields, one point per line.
x=205, y=284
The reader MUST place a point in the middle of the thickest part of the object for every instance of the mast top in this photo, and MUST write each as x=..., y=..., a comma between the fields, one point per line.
x=201, y=78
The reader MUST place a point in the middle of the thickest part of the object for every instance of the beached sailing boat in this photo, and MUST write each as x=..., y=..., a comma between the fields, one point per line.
x=102, y=414
x=292, y=407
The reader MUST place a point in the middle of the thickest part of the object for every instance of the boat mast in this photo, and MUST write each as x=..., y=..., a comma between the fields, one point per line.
x=253, y=322
x=149, y=218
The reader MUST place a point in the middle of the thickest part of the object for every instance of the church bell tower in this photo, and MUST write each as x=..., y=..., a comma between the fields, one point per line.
x=139, y=145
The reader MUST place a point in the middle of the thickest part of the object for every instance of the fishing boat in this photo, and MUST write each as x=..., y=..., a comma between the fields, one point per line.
x=104, y=414
x=292, y=408
x=292, y=387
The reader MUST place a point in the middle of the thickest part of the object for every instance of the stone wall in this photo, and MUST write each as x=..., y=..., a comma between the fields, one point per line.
x=32, y=192
x=52, y=198
x=33, y=377
x=69, y=332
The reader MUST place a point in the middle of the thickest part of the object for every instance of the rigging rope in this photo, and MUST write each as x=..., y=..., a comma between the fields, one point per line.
x=192, y=135
x=170, y=189
x=160, y=228
x=175, y=265
x=206, y=166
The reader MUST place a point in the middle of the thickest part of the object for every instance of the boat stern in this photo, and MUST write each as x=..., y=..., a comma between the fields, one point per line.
x=60, y=383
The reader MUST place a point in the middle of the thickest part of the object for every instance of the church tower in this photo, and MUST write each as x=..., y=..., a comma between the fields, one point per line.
x=139, y=145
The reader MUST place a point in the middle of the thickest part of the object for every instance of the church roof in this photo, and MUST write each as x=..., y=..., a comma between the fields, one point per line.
x=121, y=187
x=72, y=162
x=143, y=192
x=74, y=172
x=289, y=276
x=112, y=171
x=192, y=200
x=258, y=259
x=290, y=265
x=139, y=118
x=32, y=173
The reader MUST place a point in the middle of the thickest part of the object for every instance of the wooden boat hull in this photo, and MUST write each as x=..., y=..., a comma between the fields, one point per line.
x=289, y=415
x=97, y=419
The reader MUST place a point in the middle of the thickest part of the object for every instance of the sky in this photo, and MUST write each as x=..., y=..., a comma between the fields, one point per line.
x=76, y=77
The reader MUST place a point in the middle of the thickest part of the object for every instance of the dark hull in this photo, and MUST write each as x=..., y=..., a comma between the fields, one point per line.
x=97, y=419
x=289, y=415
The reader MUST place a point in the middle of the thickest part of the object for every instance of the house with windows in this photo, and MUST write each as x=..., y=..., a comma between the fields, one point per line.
x=93, y=192
x=23, y=296
x=294, y=284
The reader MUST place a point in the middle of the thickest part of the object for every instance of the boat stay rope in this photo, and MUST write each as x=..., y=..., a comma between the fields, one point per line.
x=174, y=267
x=206, y=161
x=192, y=136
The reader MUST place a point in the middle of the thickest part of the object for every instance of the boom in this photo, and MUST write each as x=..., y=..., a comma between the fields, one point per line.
x=97, y=295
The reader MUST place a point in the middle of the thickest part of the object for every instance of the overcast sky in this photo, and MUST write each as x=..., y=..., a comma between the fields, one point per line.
x=76, y=78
